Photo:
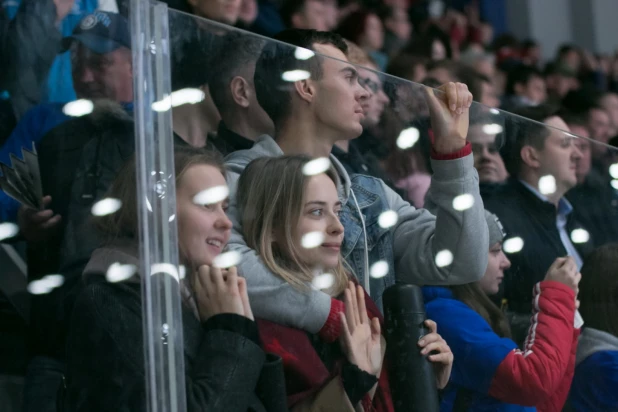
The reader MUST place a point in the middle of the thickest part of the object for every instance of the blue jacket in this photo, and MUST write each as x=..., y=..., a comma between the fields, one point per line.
x=489, y=372
x=59, y=82
x=595, y=385
x=30, y=130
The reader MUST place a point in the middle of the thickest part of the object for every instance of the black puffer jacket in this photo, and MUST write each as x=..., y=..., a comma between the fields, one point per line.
x=225, y=367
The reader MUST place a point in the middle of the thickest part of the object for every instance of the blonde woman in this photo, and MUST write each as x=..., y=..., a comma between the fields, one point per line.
x=281, y=208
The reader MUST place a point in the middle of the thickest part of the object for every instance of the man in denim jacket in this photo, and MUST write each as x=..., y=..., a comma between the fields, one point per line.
x=310, y=115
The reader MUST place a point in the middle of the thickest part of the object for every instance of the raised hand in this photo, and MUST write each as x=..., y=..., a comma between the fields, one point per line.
x=449, y=109
x=360, y=337
x=217, y=292
x=564, y=270
x=443, y=359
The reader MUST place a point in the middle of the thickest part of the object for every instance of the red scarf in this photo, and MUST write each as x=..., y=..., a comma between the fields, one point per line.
x=305, y=373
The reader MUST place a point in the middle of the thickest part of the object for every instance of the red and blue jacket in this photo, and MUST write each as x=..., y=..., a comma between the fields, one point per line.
x=595, y=385
x=489, y=372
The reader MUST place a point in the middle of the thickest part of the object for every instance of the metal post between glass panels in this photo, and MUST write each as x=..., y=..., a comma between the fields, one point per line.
x=161, y=302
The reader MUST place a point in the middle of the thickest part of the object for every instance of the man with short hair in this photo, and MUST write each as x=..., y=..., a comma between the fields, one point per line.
x=525, y=86
x=232, y=89
x=541, y=160
x=310, y=115
x=306, y=14
x=486, y=142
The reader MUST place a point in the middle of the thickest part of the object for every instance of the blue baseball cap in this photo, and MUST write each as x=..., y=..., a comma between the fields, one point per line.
x=102, y=32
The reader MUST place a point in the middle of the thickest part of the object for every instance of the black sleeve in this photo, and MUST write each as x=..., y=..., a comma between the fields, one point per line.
x=30, y=43
x=356, y=382
x=235, y=324
x=106, y=361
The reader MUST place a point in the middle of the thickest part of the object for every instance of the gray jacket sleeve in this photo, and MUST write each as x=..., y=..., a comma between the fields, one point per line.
x=29, y=44
x=420, y=235
x=271, y=297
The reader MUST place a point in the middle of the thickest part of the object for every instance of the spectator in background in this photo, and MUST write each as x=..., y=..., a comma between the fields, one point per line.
x=541, y=161
x=223, y=11
x=408, y=67
x=609, y=102
x=530, y=53
x=569, y=55
x=525, y=86
x=232, y=86
x=247, y=15
x=480, y=86
x=490, y=372
x=486, y=145
x=443, y=71
x=34, y=46
x=102, y=69
x=433, y=44
x=480, y=61
x=560, y=80
x=594, y=201
x=306, y=14
x=398, y=29
x=596, y=368
x=364, y=28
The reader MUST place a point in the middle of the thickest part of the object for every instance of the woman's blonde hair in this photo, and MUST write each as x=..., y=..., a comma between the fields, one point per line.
x=270, y=198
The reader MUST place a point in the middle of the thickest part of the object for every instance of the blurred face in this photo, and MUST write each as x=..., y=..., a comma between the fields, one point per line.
x=102, y=76
x=489, y=97
x=572, y=60
x=373, y=37
x=438, y=51
x=331, y=14
x=441, y=74
x=583, y=164
x=487, y=159
x=203, y=229
x=339, y=97
x=313, y=16
x=561, y=85
x=599, y=125
x=399, y=24
x=559, y=156
x=373, y=107
x=534, y=90
x=610, y=104
x=485, y=67
x=321, y=207
x=248, y=11
x=223, y=11
x=497, y=263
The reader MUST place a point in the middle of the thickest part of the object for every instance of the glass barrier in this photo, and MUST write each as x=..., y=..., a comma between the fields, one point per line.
x=133, y=261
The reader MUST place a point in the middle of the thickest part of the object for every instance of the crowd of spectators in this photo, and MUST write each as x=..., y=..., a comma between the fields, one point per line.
x=504, y=211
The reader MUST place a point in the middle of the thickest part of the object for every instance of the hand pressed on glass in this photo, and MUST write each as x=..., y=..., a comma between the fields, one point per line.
x=360, y=337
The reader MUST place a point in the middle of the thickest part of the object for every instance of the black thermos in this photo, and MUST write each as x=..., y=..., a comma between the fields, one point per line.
x=411, y=376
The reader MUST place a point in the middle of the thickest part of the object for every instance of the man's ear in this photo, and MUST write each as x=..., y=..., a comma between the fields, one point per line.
x=295, y=19
x=239, y=88
x=192, y=3
x=305, y=89
x=530, y=157
x=519, y=88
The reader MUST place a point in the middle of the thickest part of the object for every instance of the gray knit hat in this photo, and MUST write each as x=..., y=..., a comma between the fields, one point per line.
x=496, y=231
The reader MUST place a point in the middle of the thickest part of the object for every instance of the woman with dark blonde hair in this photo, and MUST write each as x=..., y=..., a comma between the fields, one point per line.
x=289, y=211
x=226, y=368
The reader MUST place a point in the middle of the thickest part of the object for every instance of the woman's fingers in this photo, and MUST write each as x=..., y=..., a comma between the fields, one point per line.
x=354, y=301
x=244, y=296
x=349, y=310
x=362, y=309
x=434, y=346
x=431, y=325
x=444, y=357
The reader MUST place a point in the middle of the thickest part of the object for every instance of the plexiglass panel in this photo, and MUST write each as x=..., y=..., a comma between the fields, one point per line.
x=206, y=197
